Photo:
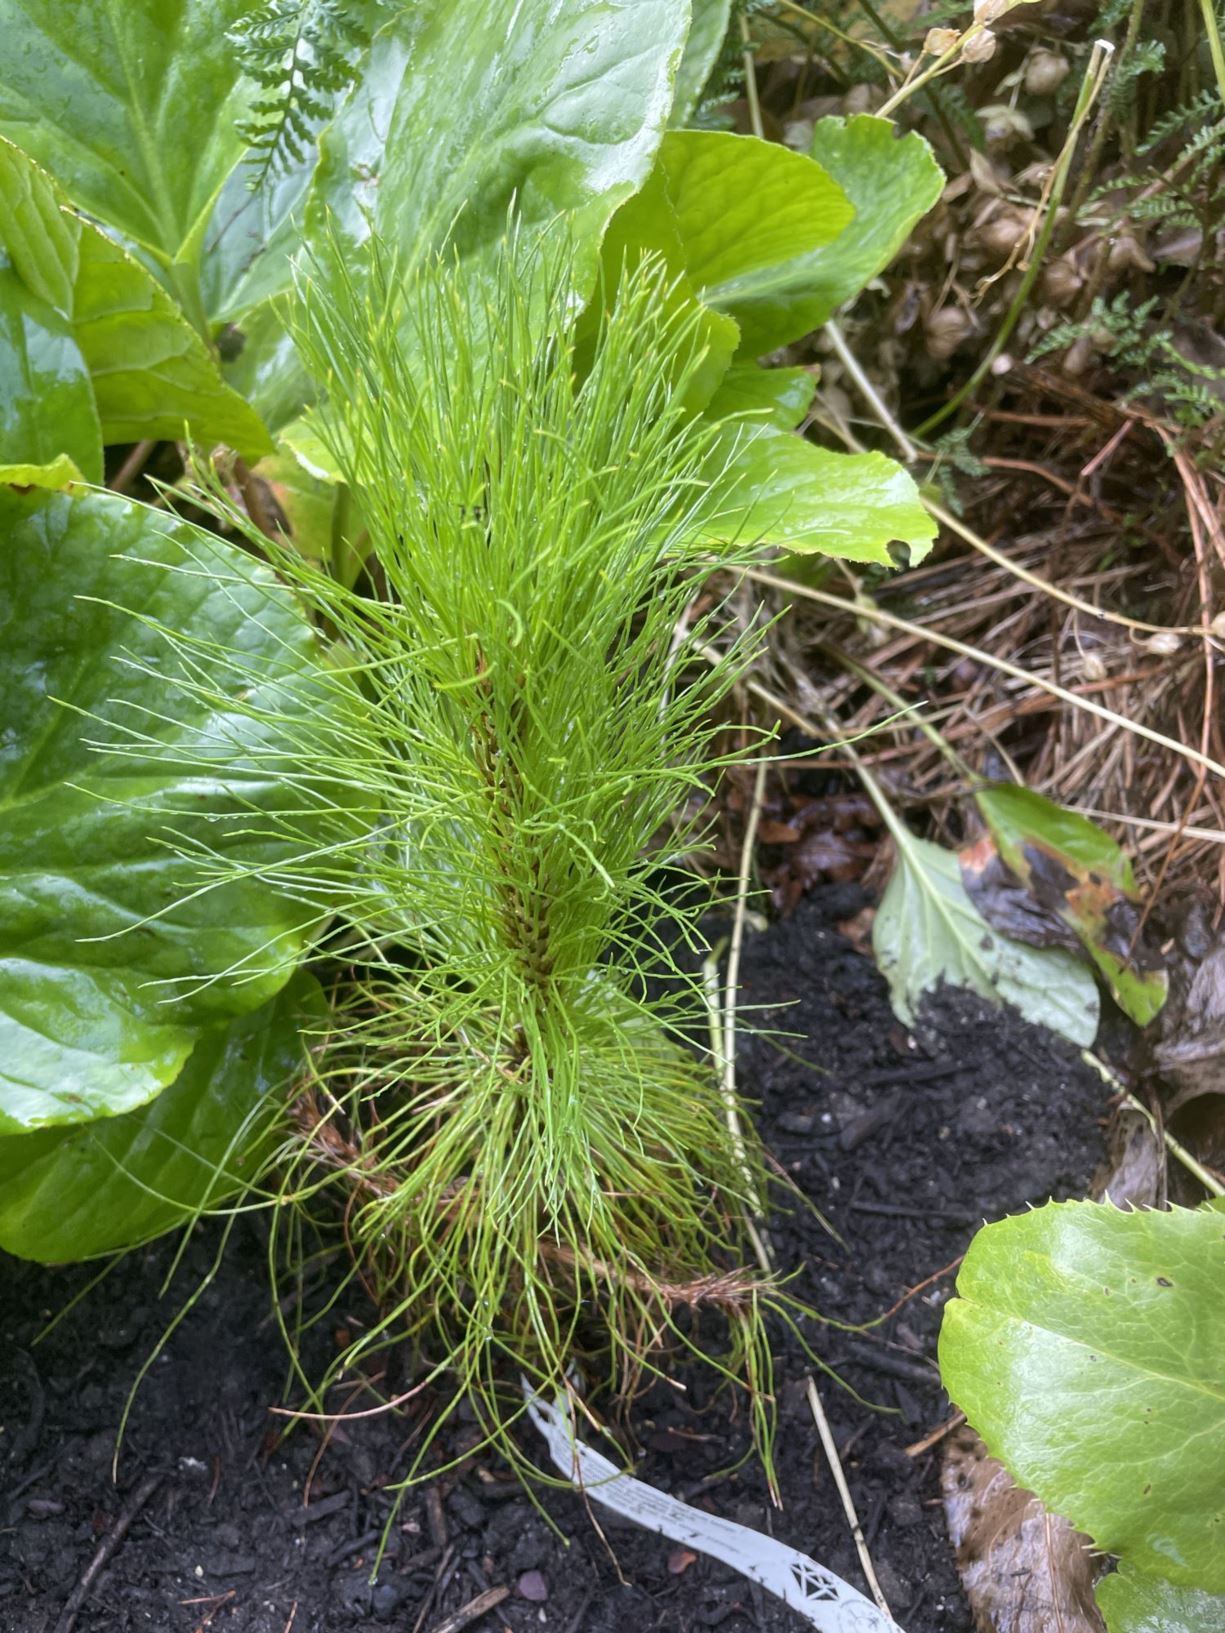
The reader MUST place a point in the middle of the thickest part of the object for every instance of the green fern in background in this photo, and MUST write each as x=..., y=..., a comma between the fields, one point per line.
x=303, y=53
x=1136, y=341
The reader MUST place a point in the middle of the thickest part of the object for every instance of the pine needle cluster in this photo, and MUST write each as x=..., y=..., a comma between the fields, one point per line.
x=532, y=1163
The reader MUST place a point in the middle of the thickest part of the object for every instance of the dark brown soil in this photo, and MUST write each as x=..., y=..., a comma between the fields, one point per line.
x=906, y=1143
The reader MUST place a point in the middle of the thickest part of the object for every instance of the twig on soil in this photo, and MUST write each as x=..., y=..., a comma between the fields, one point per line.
x=937, y=1434
x=132, y=466
x=750, y=80
x=214, y=1599
x=106, y=1551
x=472, y=1611
x=936, y=1275
x=869, y=392
x=975, y=540
x=844, y=1491
x=576, y=1621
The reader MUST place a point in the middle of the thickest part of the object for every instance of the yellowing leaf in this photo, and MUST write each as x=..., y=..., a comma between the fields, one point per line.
x=1079, y=878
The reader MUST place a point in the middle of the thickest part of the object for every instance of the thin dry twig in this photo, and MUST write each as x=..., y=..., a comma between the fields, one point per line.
x=844, y=1492
x=106, y=1551
x=472, y=1611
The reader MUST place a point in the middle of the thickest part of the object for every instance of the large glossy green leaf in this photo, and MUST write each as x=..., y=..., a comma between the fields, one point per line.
x=557, y=105
x=46, y=400
x=892, y=181
x=74, y=1193
x=737, y=216
x=1087, y=1347
x=250, y=244
x=1142, y=1604
x=116, y=772
x=777, y=487
x=927, y=930
x=151, y=374
x=779, y=397
x=706, y=33
x=131, y=105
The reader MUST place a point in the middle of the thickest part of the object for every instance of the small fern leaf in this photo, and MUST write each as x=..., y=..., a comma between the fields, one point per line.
x=303, y=54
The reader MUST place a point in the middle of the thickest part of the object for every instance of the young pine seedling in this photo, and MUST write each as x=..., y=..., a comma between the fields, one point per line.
x=534, y=1166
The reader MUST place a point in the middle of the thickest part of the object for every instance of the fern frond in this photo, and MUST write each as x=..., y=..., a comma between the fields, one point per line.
x=303, y=53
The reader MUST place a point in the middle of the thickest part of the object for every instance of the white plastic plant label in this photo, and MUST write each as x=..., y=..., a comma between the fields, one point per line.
x=824, y=1599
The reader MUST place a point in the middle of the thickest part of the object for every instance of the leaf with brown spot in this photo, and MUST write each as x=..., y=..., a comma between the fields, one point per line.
x=1072, y=875
x=1024, y=1569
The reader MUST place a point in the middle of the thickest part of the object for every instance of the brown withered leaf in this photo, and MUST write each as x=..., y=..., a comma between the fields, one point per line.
x=1005, y=901
x=858, y=930
x=1191, y=1049
x=1073, y=874
x=822, y=838
x=1024, y=1569
x=1133, y=1173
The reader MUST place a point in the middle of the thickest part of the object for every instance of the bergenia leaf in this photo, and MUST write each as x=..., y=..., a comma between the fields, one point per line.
x=928, y=931
x=74, y=1193
x=766, y=396
x=149, y=372
x=55, y=474
x=775, y=486
x=1082, y=880
x=1132, y=1603
x=47, y=408
x=706, y=34
x=892, y=181
x=739, y=217
x=558, y=105
x=119, y=767
x=131, y=105
x=1087, y=1346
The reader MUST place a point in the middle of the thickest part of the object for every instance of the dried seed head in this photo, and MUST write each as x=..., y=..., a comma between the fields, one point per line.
x=990, y=11
x=1127, y=251
x=987, y=176
x=1045, y=71
x=979, y=47
x=1003, y=124
x=945, y=330
x=1004, y=231
x=1061, y=282
x=940, y=40
x=1165, y=644
x=1079, y=355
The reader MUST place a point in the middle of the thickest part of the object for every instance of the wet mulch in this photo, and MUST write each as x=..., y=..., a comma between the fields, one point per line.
x=905, y=1141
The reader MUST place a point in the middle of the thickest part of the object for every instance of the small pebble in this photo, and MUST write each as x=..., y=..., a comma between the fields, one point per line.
x=386, y=1600
x=532, y=1585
